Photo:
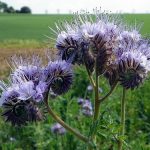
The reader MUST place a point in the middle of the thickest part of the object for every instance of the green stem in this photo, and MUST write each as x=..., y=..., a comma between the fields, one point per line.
x=109, y=93
x=90, y=77
x=123, y=105
x=66, y=126
x=96, y=103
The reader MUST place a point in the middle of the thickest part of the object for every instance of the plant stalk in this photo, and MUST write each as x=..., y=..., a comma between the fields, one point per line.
x=90, y=77
x=96, y=102
x=123, y=106
x=109, y=93
x=66, y=126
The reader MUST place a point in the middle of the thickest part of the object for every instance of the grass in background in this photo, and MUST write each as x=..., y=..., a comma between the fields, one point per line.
x=26, y=27
x=35, y=27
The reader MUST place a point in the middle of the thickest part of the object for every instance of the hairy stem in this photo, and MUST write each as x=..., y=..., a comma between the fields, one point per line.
x=96, y=103
x=120, y=144
x=66, y=126
x=109, y=93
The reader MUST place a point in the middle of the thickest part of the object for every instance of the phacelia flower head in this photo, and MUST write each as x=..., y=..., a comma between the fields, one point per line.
x=88, y=39
x=99, y=29
x=29, y=66
x=68, y=46
x=9, y=92
x=59, y=75
x=20, y=112
x=67, y=42
x=19, y=103
x=133, y=62
x=58, y=129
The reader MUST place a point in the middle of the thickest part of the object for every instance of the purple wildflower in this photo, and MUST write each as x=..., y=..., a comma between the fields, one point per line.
x=59, y=75
x=41, y=89
x=8, y=92
x=90, y=88
x=26, y=90
x=17, y=102
x=132, y=60
x=80, y=101
x=87, y=109
x=20, y=112
x=30, y=67
x=58, y=129
x=86, y=106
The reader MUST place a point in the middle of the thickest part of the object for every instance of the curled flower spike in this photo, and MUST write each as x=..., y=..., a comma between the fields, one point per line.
x=68, y=46
x=132, y=61
x=102, y=27
x=87, y=58
x=19, y=100
x=67, y=42
x=131, y=70
x=20, y=112
x=59, y=75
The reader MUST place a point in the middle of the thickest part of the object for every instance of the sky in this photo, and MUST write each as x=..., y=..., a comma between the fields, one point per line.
x=67, y=6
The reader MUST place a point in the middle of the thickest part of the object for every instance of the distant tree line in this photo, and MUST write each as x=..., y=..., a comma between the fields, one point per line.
x=9, y=9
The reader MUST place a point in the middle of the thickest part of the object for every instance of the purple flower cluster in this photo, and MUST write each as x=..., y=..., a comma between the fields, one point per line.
x=88, y=41
x=132, y=62
x=58, y=129
x=28, y=85
x=86, y=107
x=103, y=43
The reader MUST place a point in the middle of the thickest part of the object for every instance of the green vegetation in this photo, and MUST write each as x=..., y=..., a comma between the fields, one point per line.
x=27, y=31
x=39, y=136
x=26, y=27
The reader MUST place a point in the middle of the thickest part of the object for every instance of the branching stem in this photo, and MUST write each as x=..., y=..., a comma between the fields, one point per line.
x=109, y=93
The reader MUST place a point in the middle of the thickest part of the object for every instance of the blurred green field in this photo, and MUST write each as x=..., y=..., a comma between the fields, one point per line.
x=26, y=33
x=26, y=27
